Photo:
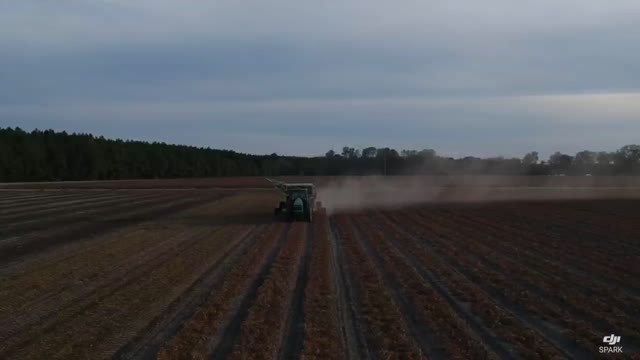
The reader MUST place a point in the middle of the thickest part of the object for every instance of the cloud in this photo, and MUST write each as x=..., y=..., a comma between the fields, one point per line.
x=581, y=109
x=497, y=77
x=496, y=125
x=85, y=23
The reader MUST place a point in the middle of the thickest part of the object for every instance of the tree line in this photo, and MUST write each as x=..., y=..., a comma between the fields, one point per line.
x=57, y=156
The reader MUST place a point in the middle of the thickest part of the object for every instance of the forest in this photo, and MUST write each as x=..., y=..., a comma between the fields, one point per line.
x=47, y=155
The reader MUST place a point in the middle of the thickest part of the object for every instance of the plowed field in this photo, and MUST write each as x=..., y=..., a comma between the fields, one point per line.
x=209, y=273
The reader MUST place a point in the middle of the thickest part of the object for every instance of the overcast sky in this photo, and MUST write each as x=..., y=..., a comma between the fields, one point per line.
x=493, y=77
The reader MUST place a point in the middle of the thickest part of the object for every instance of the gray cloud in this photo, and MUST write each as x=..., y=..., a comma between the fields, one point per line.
x=490, y=78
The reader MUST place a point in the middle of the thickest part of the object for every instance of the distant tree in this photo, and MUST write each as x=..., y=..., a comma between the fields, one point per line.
x=408, y=153
x=530, y=164
x=530, y=158
x=388, y=152
x=604, y=163
x=584, y=162
x=427, y=154
x=350, y=153
x=369, y=152
x=560, y=163
x=45, y=155
x=630, y=152
x=627, y=159
x=389, y=159
x=604, y=157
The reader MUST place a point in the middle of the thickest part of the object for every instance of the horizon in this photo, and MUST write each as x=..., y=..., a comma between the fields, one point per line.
x=465, y=79
x=542, y=156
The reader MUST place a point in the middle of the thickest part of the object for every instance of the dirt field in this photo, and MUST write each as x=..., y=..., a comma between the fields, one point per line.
x=396, y=181
x=209, y=273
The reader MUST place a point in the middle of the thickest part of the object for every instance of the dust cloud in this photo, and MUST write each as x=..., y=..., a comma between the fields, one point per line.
x=355, y=193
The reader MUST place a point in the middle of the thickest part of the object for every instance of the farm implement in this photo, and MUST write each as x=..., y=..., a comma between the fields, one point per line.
x=299, y=203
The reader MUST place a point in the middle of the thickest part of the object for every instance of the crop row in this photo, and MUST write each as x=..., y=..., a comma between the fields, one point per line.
x=493, y=274
x=534, y=246
x=197, y=335
x=321, y=331
x=386, y=334
x=24, y=206
x=84, y=211
x=448, y=332
x=581, y=292
x=42, y=234
x=263, y=330
x=9, y=200
x=45, y=286
x=123, y=307
x=14, y=212
x=555, y=226
x=525, y=341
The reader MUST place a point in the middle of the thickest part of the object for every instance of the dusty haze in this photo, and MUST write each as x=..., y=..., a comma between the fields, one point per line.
x=354, y=193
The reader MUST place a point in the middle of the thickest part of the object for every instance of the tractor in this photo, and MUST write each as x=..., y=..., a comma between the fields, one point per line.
x=300, y=201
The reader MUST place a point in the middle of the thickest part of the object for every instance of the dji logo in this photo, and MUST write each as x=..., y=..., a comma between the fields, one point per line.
x=611, y=340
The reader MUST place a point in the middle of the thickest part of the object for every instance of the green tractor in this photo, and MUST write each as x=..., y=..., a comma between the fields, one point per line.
x=300, y=201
